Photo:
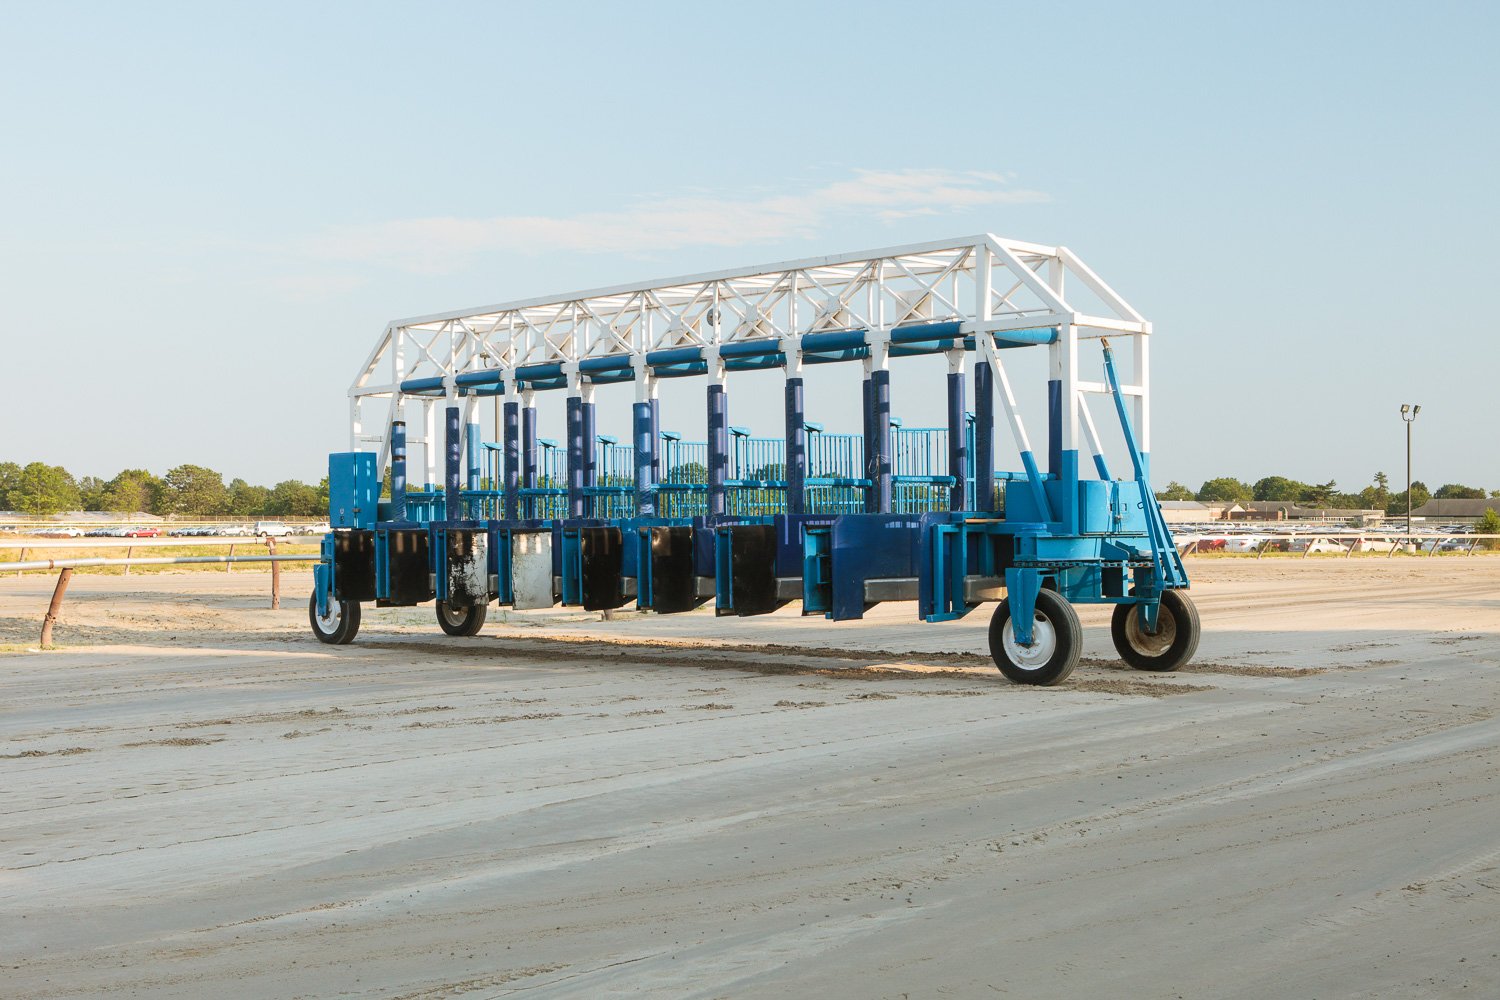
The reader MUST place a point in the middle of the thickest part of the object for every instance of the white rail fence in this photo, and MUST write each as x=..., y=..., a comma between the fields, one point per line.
x=1345, y=544
x=66, y=566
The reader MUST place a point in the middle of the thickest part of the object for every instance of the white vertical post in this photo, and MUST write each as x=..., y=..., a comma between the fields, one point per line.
x=429, y=441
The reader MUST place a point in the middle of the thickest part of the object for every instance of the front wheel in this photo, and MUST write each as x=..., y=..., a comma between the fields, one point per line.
x=461, y=621
x=1176, y=638
x=1056, y=642
x=339, y=626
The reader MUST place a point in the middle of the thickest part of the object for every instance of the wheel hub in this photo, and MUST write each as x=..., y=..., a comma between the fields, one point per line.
x=1043, y=644
x=329, y=623
x=1146, y=643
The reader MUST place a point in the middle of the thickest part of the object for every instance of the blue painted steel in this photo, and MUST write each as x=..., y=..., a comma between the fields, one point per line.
x=817, y=570
x=870, y=463
x=958, y=451
x=1067, y=473
x=575, y=456
x=795, y=448
x=1021, y=588
x=398, y=471
x=512, y=459
x=453, y=457
x=414, y=386
x=544, y=371
x=1034, y=482
x=877, y=547
x=645, y=464
x=718, y=450
x=353, y=489
x=880, y=404
x=1165, y=559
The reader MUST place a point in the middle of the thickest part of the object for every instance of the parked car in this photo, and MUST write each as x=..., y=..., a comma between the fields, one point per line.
x=142, y=532
x=264, y=528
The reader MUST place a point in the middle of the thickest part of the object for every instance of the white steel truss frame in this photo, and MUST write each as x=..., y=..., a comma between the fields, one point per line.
x=987, y=284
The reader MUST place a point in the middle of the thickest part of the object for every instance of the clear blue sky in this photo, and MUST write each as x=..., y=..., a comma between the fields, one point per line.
x=209, y=212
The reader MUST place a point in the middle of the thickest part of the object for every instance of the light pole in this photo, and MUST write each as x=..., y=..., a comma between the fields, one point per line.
x=1408, y=414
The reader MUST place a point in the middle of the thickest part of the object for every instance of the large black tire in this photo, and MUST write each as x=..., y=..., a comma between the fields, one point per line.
x=461, y=621
x=1176, y=638
x=341, y=625
x=1057, y=642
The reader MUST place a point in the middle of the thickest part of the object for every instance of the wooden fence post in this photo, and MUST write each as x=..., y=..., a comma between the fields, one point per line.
x=275, y=576
x=55, y=606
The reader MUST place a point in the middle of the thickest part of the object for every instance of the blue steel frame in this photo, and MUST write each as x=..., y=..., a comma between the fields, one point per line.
x=896, y=513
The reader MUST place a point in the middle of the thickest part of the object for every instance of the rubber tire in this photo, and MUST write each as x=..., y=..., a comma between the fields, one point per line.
x=1186, y=628
x=347, y=628
x=1069, y=635
x=469, y=624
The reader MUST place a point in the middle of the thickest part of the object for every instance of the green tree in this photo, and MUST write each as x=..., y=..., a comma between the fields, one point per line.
x=42, y=490
x=1456, y=491
x=91, y=493
x=1489, y=524
x=385, y=491
x=688, y=472
x=1318, y=494
x=246, y=500
x=1277, y=488
x=194, y=491
x=293, y=498
x=10, y=474
x=132, y=490
x=1419, y=496
x=1224, y=488
x=1175, y=491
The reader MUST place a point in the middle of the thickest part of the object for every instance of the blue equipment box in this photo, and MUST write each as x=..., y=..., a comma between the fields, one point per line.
x=353, y=489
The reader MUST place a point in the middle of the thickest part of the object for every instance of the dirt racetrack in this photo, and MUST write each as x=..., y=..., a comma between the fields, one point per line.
x=199, y=800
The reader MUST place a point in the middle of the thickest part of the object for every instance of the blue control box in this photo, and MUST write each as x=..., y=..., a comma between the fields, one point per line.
x=353, y=489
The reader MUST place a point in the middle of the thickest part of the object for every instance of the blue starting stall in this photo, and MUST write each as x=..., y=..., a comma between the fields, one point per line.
x=836, y=522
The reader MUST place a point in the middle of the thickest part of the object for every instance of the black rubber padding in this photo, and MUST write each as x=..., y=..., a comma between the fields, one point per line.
x=602, y=550
x=753, y=568
x=674, y=587
x=354, y=565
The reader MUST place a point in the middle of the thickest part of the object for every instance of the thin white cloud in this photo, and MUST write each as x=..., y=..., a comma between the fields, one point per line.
x=438, y=245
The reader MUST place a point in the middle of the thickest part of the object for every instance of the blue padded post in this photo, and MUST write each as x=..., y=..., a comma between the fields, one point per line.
x=958, y=444
x=645, y=460
x=472, y=450
x=655, y=405
x=1054, y=426
x=529, y=448
x=453, y=455
x=718, y=451
x=880, y=403
x=796, y=448
x=872, y=458
x=984, y=436
x=512, y=471
x=575, y=456
x=590, y=459
x=398, y=470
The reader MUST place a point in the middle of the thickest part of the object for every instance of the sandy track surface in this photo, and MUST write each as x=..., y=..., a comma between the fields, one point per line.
x=197, y=799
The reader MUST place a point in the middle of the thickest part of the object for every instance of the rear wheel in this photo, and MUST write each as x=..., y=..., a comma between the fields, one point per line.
x=461, y=621
x=339, y=626
x=1174, y=642
x=1056, y=642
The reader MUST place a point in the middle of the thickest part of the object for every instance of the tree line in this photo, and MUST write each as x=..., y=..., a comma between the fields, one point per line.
x=41, y=490
x=1377, y=496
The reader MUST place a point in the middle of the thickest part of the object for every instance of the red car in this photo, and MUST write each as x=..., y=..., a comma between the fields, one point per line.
x=143, y=533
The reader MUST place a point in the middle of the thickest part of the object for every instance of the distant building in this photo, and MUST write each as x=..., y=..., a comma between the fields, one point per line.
x=1186, y=511
x=1463, y=511
x=1287, y=510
